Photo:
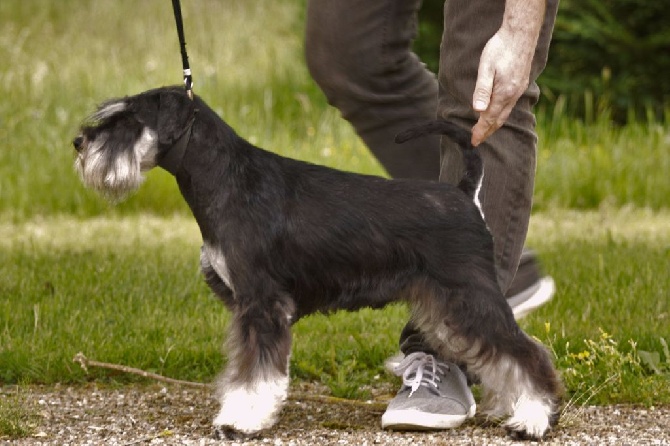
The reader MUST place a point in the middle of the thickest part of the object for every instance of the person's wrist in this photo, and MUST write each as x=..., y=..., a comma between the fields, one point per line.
x=522, y=22
x=520, y=43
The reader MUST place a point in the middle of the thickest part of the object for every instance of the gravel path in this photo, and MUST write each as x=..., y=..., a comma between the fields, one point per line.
x=173, y=415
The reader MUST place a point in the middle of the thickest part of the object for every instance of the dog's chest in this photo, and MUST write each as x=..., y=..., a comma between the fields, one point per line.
x=217, y=260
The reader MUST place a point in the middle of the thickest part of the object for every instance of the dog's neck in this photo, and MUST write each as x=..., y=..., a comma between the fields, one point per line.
x=173, y=157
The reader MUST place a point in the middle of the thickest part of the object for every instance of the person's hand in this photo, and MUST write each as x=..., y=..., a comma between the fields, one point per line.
x=504, y=66
x=504, y=71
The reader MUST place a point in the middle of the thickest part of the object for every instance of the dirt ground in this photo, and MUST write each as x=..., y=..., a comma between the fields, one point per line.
x=176, y=415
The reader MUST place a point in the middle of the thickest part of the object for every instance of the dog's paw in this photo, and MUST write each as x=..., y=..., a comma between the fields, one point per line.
x=250, y=410
x=244, y=417
x=531, y=419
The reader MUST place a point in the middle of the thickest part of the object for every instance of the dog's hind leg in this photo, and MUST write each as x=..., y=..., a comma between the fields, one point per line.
x=474, y=325
x=519, y=381
x=254, y=385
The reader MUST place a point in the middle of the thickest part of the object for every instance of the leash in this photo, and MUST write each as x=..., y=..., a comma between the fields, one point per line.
x=188, y=79
x=172, y=158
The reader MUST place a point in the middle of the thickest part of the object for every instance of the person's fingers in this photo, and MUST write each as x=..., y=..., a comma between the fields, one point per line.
x=484, y=128
x=481, y=130
x=491, y=119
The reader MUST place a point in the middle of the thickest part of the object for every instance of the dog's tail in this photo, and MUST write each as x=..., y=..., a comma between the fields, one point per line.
x=474, y=169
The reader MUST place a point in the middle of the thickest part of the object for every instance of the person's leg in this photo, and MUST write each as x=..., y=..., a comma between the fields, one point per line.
x=509, y=155
x=359, y=53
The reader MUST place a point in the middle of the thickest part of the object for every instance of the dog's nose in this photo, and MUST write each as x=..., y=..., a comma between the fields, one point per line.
x=77, y=142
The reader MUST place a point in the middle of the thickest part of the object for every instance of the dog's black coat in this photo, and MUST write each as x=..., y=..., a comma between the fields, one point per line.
x=298, y=238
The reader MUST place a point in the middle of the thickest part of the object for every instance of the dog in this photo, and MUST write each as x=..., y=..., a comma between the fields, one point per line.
x=284, y=238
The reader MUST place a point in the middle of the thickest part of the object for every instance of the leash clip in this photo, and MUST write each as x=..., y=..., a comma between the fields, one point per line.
x=188, y=83
x=188, y=79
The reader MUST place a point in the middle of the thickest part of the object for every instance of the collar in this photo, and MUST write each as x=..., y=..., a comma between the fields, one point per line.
x=172, y=159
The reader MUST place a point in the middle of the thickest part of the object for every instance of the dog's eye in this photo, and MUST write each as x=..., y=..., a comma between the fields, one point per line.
x=77, y=142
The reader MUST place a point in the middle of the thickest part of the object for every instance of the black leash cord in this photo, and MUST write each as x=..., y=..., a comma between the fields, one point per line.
x=188, y=79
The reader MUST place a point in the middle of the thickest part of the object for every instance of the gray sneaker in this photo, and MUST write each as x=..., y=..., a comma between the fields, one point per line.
x=434, y=395
x=529, y=289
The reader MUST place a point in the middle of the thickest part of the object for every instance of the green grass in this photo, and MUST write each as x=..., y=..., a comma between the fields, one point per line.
x=127, y=290
x=18, y=416
x=585, y=165
x=611, y=275
x=121, y=284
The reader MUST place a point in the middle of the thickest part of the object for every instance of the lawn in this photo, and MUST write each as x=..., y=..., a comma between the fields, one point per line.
x=121, y=284
x=127, y=290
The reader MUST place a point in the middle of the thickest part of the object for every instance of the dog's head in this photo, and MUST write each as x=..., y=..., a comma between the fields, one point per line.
x=128, y=136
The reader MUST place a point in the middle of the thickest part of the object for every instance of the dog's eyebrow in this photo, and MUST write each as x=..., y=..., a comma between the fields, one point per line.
x=108, y=109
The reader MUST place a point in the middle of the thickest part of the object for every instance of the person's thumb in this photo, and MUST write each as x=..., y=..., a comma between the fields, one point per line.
x=483, y=88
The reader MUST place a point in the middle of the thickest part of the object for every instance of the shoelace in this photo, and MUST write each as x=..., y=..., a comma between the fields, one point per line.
x=420, y=369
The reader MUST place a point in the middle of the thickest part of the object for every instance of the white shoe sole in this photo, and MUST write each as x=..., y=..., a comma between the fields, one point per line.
x=543, y=295
x=412, y=419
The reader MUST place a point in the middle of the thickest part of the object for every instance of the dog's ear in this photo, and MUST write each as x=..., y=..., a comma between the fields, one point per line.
x=175, y=112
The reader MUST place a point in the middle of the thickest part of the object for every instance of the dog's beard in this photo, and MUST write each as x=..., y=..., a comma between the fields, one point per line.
x=116, y=173
x=114, y=179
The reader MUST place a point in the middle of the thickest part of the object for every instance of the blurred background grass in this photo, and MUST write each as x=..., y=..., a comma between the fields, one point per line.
x=62, y=58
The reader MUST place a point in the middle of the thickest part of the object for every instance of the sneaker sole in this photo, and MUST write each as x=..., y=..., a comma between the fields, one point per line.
x=543, y=295
x=412, y=419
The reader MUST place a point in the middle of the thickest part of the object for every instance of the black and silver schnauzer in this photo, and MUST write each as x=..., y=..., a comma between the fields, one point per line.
x=283, y=239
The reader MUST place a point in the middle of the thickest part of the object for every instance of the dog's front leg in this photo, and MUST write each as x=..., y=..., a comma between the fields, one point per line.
x=254, y=385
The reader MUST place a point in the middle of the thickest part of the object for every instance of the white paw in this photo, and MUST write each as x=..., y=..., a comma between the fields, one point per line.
x=250, y=409
x=530, y=417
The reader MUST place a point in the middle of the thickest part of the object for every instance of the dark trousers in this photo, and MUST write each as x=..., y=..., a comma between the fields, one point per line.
x=359, y=52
